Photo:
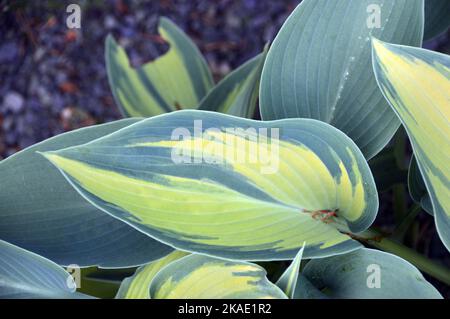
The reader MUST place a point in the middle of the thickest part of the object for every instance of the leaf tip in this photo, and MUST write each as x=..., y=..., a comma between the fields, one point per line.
x=52, y=156
x=165, y=23
x=110, y=41
x=377, y=45
x=381, y=49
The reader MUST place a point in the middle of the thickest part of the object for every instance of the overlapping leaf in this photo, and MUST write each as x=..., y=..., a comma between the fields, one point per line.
x=364, y=274
x=319, y=65
x=416, y=82
x=229, y=187
x=138, y=286
x=201, y=277
x=26, y=275
x=179, y=79
x=41, y=212
x=288, y=280
x=238, y=92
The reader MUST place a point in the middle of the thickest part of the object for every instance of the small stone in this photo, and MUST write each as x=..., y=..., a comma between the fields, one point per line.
x=13, y=101
x=109, y=22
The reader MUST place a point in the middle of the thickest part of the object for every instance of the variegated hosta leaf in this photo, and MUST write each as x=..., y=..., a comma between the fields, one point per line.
x=416, y=82
x=229, y=187
x=319, y=66
x=202, y=277
x=437, y=17
x=41, y=212
x=288, y=280
x=417, y=188
x=24, y=274
x=238, y=92
x=364, y=274
x=138, y=286
x=179, y=79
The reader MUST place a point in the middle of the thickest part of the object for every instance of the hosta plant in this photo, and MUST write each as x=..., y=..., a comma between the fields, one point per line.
x=191, y=197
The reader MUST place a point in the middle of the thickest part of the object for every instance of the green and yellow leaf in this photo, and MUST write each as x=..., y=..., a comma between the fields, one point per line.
x=229, y=187
x=138, y=286
x=179, y=79
x=202, y=277
x=42, y=213
x=288, y=280
x=237, y=94
x=416, y=83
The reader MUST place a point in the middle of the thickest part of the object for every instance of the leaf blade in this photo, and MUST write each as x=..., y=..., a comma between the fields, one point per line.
x=201, y=277
x=319, y=66
x=26, y=275
x=40, y=212
x=350, y=276
x=288, y=280
x=236, y=202
x=428, y=129
x=178, y=79
x=238, y=92
x=138, y=285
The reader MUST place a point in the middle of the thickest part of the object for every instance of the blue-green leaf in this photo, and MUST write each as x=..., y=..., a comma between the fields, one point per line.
x=179, y=79
x=365, y=274
x=26, y=275
x=319, y=66
x=194, y=180
x=41, y=212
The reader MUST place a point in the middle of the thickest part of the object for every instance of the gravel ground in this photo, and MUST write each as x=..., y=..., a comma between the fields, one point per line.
x=53, y=79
